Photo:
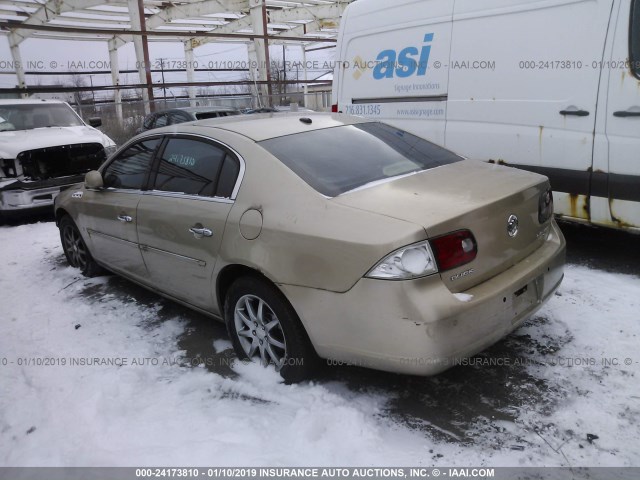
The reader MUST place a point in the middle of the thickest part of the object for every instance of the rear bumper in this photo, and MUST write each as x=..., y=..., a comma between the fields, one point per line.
x=419, y=327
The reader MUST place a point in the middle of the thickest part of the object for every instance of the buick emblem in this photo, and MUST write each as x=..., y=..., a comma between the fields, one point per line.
x=512, y=226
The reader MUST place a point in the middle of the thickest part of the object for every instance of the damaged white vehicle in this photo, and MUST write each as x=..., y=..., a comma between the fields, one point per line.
x=44, y=145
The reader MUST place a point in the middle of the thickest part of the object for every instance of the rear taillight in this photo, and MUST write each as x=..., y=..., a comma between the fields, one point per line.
x=454, y=249
x=545, y=206
x=334, y=108
x=412, y=261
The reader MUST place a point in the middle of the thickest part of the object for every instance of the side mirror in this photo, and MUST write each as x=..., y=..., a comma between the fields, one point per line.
x=95, y=122
x=93, y=180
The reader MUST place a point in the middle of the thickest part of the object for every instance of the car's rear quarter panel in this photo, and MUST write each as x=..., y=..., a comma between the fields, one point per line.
x=305, y=239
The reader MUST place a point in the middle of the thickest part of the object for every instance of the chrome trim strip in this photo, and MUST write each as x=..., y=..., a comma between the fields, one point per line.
x=160, y=193
x=100, y=234
x=117, y=190
x=147, y=248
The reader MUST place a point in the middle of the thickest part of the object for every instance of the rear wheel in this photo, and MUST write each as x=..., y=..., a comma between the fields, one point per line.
x=263, y=327
x=76, y=250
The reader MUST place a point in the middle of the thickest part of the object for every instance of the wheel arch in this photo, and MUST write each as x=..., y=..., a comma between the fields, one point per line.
x=60, y=212
x=233, y=272
x=230, y=273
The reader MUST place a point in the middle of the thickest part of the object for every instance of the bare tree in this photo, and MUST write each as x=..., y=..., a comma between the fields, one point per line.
x=77, y=80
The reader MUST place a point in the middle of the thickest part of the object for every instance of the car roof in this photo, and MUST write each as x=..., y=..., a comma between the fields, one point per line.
x=264, y=126
x=197, y=110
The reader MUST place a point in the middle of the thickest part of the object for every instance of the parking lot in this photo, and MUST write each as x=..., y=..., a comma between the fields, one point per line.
x=102, y=372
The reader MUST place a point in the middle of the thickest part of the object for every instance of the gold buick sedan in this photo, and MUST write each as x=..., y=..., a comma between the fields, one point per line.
x=320, y=236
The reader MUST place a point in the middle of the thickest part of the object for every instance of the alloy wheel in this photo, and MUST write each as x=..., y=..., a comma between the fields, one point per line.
x=259, y=331
x=74, y=247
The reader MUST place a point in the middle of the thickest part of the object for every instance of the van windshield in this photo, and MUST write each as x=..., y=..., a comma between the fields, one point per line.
x=28, y=116
x=340, y=159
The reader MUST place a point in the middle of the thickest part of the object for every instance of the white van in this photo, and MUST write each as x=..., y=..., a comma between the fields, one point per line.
x=551, y=86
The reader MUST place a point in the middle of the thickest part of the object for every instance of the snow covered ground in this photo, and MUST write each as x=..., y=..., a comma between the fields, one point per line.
x=564, y=390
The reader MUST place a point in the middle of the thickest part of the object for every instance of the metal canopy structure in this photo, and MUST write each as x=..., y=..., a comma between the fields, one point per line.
x=257, y=23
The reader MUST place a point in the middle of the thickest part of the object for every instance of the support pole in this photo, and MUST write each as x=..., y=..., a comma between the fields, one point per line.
x=189, y=58
x=305, y=73
x=136, y=11
x=257, y=91
x=259, y=51
x=265, y=30
x=284, y=72
x=14, y=46
x=115, y=78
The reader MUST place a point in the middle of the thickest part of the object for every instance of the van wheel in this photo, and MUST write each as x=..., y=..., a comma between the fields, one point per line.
x=264, y=327
x=76, y=250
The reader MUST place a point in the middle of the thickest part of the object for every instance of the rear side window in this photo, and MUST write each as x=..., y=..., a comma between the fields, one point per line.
x=178, y=117
x=336, y=160
x=634, y=41
x=161, y=120
x=215, y=114
x=148, y=122
x=196, y=168
x=129, y=170
x=205, y=115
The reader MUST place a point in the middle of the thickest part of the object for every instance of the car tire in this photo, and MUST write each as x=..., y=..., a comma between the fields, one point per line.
x=264, y=327
x=76, y=250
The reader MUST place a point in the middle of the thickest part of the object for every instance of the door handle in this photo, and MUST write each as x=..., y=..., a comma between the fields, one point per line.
x=125, y=218
x=200, y=232
x=574, y=112
x=627, y=113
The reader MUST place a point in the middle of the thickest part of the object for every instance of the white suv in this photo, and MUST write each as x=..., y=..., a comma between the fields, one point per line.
x=44, y=145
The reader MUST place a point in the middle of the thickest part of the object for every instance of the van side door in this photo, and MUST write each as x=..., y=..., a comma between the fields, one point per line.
x=623, y=121
x=523, y=89
x=393, y=65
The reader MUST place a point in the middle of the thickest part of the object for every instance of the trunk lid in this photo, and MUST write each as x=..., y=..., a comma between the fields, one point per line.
x=469, y=195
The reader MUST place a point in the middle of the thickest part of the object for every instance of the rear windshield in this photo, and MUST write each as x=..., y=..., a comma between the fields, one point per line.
x=336, y=160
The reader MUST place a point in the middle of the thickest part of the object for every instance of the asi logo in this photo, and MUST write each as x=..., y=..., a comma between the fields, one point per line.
x=410, y=61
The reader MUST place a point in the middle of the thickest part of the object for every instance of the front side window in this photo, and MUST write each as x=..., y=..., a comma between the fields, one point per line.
x=634, y=40
x=129, y=170
x=195, y=168
x=339, y=159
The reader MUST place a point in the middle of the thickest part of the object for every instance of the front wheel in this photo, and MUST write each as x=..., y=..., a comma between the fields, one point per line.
x=264, y=327
x=76, y=250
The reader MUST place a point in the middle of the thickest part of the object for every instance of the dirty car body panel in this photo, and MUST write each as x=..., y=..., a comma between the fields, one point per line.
x=394, y=253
